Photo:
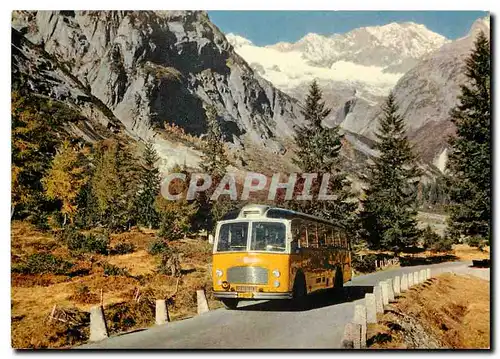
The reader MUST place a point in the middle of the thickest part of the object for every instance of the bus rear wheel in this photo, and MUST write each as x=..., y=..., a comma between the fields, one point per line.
x=230, y=303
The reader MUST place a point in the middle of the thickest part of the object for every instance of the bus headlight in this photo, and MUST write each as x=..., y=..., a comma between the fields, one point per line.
x=218, y=273
x=276, y=283
x=276, y=273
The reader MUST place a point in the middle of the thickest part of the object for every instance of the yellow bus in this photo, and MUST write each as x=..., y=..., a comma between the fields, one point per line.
x=263, y=252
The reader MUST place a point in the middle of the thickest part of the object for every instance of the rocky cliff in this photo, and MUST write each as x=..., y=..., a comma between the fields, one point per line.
x=145, y=69
x=425, y=94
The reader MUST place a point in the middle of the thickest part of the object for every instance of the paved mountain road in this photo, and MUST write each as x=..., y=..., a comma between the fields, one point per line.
x=266, y=325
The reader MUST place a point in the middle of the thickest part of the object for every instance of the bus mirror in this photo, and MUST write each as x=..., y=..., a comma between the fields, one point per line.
x=210, y=239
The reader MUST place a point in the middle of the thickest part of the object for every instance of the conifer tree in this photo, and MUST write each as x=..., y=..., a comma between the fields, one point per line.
x=66, y=177
x=114, y=184
x=175, y=217
x=34, y=141
x=389, y=209
x=149, y=187
x=319, y=152
x=469, y=161
x=214, y=162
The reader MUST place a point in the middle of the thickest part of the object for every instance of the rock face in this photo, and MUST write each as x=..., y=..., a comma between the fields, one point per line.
x=428, y=92
x=425, y=94
x=151, y=68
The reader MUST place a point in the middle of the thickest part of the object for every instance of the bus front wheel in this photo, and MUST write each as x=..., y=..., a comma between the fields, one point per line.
x=230, y=303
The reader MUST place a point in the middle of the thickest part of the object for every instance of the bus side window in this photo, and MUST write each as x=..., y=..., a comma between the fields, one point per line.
x=344, y=240
x=325, y=236
x=321, y=235
x=303, y=236
x=312, y=235
x=329, y=238
x=338, y=239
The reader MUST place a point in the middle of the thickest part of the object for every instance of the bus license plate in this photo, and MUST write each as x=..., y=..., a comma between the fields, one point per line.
x=245, y=295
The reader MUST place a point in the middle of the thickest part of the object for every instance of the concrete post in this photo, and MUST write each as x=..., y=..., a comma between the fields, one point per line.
x=98, y=328
x=385, y=293
x=421, y=276
x=428, y=273
x=410, y=280
x=201, y=299
x=360, y=318
x=404, y=283
x=371, y=308
x=352, y=336
x=377, y=291
x=390, y=290
x=397, y=285
x=415, y=278
x=161, y=312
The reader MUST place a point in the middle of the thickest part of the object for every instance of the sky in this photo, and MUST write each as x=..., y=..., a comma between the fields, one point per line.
x=270, y=27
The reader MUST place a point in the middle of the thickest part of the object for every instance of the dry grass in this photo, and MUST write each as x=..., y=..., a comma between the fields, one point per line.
x=465, y=252
x=453, y=309
x=33, y=296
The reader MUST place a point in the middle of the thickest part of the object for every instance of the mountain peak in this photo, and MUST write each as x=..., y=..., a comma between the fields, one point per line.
x=481, y=24
x=237, y=40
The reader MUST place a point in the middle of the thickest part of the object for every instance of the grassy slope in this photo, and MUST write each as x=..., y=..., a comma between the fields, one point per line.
x=453, y=317
x=33, y=296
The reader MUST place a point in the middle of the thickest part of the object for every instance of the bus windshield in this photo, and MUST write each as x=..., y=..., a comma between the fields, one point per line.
x=268, y=236
x=265, y=236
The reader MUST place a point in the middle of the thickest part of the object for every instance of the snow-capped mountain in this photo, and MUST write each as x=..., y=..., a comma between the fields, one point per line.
x=368, y=60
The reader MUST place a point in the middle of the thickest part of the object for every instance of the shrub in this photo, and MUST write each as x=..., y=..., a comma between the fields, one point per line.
x=365, y=265
x=121, y=317
x=477, y=241
x=434, y=242
x=90, y=243
x=158, y=246
x=123, y=248
x=39, y=263
x=112, y=270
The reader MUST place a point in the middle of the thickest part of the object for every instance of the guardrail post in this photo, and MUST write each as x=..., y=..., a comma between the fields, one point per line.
x=352, y=336
x=415, y=278
x=397, y=285
x=421, y=276
x=360, y=318
x=371, y=308
x=428, y=273
x=385, y=293
x=377, y=291
x=410, y=280
x=98, y=328
x=161, y=312
x=404, y=282
x=201, y=299
x=390, y=290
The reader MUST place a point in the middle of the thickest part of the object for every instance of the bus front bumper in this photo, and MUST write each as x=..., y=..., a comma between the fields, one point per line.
x=254, y=295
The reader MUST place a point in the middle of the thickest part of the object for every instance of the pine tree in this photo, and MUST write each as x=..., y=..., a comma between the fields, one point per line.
x=66, y=178
x=214, y=162
x=319, y=152
x=469, y=160
x=389, y=208
x=175, y=217
x=115, y=184
x=149, y=187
